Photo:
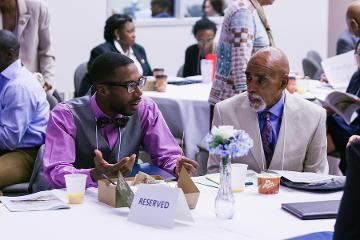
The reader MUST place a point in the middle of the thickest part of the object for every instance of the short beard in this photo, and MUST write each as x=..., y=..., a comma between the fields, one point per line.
x=258, y=107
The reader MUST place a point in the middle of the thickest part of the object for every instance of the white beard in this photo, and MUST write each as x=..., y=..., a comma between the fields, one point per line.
x=258, y=106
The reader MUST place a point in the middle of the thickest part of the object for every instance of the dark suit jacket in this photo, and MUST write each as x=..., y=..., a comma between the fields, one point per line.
x=339, y=130
x=346, y=42
x=139, y=52
x=106, y=47
x=348, y=222
x=192, y=61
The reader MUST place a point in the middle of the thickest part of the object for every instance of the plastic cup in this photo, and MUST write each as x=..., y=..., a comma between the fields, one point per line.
x=212, y=56
x=75, y=187
x=160, y=83
x=238, y=177
x=206, y=67
x=303, y=86
x=158, y=71
x=291, y=87
x=268, y=183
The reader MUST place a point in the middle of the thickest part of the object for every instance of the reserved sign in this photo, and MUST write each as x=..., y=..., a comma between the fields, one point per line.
x=159, y=206
x=153, y=203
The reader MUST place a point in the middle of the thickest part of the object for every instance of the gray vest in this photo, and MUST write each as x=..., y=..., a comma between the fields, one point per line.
x=85, y=142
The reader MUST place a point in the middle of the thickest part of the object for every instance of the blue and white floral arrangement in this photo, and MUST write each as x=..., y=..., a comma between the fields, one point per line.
x=228, y=142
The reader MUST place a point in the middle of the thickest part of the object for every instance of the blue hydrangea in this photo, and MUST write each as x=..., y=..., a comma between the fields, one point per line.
x=237, y=146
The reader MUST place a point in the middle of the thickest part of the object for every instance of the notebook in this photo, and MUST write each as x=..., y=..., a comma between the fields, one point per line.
x=313, y=210
x=184, y=82
x=327, y=235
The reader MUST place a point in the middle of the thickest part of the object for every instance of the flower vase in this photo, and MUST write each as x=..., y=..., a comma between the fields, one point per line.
x=224, y=202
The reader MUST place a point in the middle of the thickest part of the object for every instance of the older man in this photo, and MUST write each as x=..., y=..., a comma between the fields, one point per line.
x=24, y=112
x=101, y=134
x=289, y=132
x=245, y=30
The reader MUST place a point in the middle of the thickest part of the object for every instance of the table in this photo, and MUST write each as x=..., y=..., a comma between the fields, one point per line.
x=186, y=110
x=314, y=89
x=257, y=217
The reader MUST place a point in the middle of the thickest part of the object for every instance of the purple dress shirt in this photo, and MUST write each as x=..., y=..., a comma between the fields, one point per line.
x=60, y=151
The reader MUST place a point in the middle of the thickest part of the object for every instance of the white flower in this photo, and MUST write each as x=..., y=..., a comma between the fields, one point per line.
x=225, y=132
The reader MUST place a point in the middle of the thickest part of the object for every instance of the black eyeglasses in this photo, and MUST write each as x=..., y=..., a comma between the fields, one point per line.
x=131, y=86
x=205, y=41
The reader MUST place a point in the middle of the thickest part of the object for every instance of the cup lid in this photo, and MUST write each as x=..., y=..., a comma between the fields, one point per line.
x=268, y=175
x=161, y=76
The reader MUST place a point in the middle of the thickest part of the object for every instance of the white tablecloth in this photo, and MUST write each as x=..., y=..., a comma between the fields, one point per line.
x=315, y=89
x=185, y=109
x=257, y=217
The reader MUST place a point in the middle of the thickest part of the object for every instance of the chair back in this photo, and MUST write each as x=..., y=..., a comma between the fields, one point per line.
x=180, y=71
x=79, y=75
x=38, y=181
x=51, y=100
x=311, y=68
x=314, y=56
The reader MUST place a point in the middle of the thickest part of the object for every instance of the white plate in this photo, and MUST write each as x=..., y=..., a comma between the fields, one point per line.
x=169, y=78
x=196, y=77
x=307, y=95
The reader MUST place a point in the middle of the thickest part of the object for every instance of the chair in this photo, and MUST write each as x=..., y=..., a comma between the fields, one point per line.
x=311, y=68
x=79, y=75
x=201, y=157
x=180, y=71
x=16, y=189
x=314, y=56
x=36, y=183
x=52, y=100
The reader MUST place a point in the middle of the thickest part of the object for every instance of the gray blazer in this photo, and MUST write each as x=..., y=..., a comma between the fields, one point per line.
x=301, y=145
x=33, y=32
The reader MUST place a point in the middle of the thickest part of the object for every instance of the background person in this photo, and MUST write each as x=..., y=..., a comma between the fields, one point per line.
x=161, y=8
x=120, y=37
x=213, y=8
x=245, y=30
x=24, y=113
x=346, y=42
x=338, y=129
x=347, y=221
x=29, y=20
x=204, y=32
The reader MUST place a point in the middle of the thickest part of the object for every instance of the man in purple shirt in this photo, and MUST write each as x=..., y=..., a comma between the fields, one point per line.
x=101, y=134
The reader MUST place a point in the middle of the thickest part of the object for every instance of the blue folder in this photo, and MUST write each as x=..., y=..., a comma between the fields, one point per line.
x=314, y=236
x=152, y=170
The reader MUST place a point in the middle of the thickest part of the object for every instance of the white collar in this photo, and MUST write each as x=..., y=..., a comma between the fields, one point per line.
x=119, y=48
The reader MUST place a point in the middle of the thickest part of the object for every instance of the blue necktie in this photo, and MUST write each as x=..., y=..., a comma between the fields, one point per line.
x=267, y=137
